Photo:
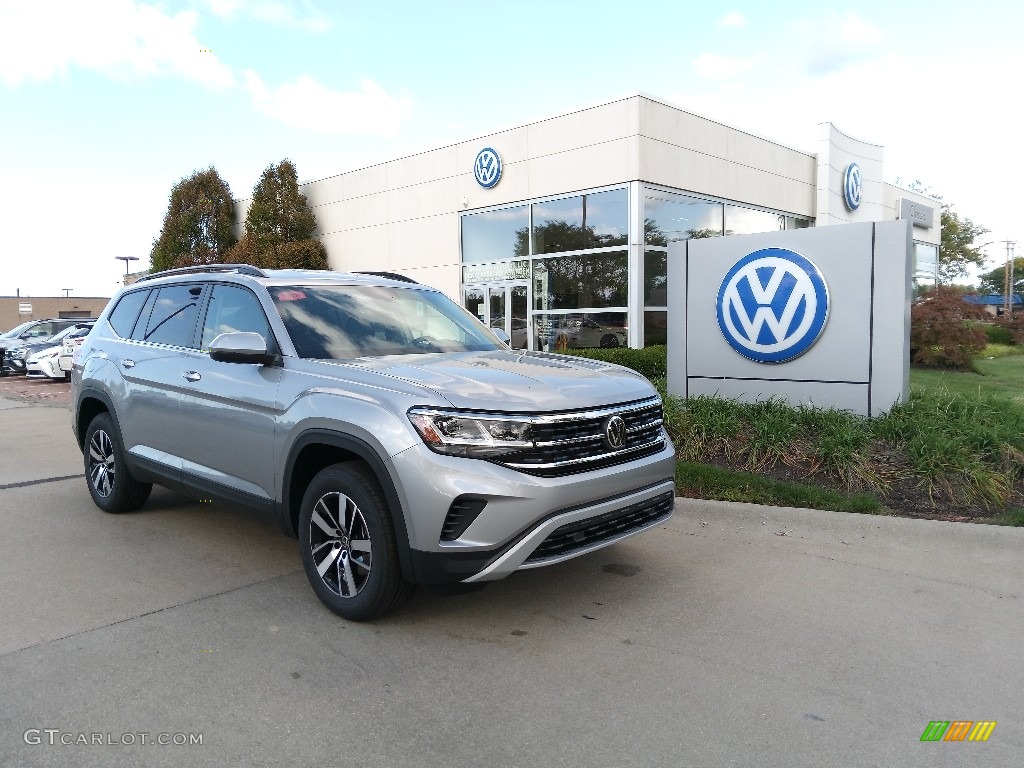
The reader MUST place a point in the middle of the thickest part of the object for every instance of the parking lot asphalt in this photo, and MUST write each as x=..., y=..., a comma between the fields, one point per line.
x=735, y=635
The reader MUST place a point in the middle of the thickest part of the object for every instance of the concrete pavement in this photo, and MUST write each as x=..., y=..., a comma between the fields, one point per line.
x=735, y=635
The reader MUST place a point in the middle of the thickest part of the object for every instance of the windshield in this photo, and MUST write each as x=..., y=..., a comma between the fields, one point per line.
x=342, y=322
x=59, y=335
x=15, y=331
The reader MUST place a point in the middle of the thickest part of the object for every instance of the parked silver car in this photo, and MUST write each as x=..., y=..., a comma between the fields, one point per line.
x=384, y=426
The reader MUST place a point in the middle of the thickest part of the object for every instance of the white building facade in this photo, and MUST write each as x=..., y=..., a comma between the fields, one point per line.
x=558, y=231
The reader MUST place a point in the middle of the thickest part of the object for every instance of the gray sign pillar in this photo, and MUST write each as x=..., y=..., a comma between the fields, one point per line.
x=817, y=316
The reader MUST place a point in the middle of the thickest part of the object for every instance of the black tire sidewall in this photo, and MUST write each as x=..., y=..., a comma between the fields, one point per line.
x=378, y=593
x=124, y=495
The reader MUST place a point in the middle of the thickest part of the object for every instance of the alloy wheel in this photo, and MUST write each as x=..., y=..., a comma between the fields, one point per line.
x=339, y=542
x=101, y=463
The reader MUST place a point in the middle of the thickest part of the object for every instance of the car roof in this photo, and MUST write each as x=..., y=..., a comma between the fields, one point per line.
x=269, y=277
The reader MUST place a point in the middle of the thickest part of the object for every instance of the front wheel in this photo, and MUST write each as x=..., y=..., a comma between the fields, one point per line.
x=111, y=486
x=348, y=544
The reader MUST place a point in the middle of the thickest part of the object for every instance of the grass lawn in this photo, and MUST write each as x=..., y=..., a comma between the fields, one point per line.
x=1000, y=376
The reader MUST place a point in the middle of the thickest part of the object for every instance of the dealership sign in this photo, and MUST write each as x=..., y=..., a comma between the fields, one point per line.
x=853, y=186
x=772, y=305
x=487, y=168
x=817, y=316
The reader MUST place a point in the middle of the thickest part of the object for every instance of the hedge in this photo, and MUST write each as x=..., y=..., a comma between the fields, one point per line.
x=651, y=361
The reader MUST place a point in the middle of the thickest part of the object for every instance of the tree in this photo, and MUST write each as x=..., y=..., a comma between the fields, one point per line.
x=957, y=251
x=279, y=225
x=993, y=282
x=197, y=227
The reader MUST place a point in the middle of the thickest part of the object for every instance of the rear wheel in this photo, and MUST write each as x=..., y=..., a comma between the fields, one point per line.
x=111, y=486
x=348, y=544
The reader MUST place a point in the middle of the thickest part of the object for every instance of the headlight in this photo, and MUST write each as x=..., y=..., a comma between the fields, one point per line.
x=473, y=435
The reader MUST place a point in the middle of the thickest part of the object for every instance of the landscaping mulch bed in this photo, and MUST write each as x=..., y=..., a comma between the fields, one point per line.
x=905, y=496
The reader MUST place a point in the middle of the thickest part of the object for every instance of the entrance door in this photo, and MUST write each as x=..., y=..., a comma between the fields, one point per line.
x=507, y=309
x=502, y=305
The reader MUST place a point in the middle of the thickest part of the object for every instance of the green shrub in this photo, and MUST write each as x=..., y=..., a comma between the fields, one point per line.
x=998, y=334
x=651, y=362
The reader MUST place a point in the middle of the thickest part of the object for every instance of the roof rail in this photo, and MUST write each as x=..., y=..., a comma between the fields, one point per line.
x=389, y=276
x=241, y=269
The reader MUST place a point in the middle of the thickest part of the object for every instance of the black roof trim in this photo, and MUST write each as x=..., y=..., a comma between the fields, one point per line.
x=241, y=269
x=389, y=276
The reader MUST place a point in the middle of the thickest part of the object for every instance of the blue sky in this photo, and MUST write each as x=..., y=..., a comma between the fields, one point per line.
x=104, y=105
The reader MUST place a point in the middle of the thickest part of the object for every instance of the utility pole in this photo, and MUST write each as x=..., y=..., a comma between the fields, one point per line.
x=1008, y=294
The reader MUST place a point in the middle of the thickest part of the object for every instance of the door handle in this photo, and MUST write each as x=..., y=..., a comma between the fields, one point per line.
x=192, y=376
x=127, y=363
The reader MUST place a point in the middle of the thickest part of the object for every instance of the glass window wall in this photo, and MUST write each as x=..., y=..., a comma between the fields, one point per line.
x=495, y=235
x=598, y=220
x=675, y=217
x=655, y=328
x=745, y=221
x=563, y=331
x=655, y=278
x=586, y=280
x=926, y=267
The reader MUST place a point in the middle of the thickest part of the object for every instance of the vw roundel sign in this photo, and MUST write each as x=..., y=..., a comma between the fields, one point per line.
x=487, y=168
x=853, y=186
x=772, y=305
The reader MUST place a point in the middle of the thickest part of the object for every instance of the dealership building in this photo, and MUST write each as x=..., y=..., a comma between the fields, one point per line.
x=559, y=231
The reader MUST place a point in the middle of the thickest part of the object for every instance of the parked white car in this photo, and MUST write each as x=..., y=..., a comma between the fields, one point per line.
x=45, y=364
x=67, y=354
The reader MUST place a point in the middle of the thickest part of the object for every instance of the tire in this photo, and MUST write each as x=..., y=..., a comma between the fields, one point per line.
x=348, y=544
x=609, y=340
x=111, y=486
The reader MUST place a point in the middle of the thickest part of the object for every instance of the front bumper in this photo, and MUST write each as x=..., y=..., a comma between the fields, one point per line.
x=527, y=521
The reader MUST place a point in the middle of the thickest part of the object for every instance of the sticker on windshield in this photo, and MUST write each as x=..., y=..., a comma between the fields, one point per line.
x=289, y=295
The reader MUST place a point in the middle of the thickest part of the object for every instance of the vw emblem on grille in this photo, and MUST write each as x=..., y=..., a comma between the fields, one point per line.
x=487, y=168
x=853, y=186
x=772, y=305
x=615, y=432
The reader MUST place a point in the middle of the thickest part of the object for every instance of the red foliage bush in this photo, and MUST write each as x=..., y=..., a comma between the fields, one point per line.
x=943, y=330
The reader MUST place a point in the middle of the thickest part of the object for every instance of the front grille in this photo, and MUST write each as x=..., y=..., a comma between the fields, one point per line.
x=576, y=536
x=570, y=443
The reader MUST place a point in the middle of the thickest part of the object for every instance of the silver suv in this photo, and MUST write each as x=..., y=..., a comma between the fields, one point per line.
x=385, y=427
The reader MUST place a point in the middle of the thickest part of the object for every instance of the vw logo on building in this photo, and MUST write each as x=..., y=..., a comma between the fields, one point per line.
x=853, y=186
x=487, y=168
x=772, y=305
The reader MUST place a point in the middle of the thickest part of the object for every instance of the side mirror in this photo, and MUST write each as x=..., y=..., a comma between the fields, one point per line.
x=241, y=347
x=500, y=333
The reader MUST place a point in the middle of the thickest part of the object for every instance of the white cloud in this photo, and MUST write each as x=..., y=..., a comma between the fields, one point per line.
x=717, y=67
x=308, y=104
x=41, y=40
x=837, y=41
x=733, y=19
x=301, y=15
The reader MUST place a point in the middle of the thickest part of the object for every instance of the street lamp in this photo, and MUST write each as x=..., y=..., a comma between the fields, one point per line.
x=126, y=259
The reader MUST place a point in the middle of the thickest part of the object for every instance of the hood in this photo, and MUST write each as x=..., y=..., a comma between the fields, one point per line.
x=515, y=381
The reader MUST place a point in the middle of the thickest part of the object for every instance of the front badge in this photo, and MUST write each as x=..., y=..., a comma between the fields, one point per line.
x=615, y=432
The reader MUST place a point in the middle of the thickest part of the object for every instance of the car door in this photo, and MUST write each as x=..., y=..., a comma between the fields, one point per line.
x=151, y=365
x=229, y=410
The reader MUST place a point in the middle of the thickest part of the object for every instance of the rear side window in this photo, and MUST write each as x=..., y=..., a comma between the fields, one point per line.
x=172, y=319
x=123, y=318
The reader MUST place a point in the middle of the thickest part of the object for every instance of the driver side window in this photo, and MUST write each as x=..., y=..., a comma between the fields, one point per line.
x=234, y=309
